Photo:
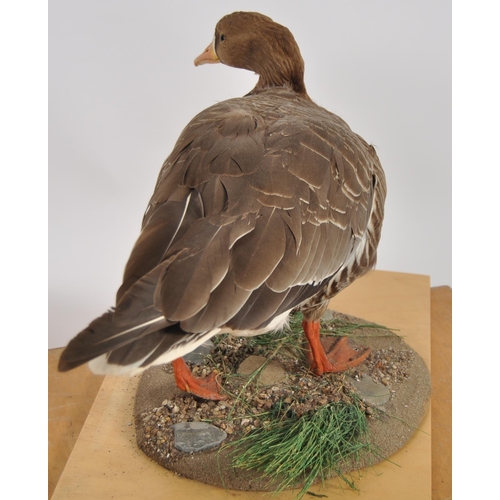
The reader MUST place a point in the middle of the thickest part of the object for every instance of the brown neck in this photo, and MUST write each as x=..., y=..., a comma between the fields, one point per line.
x=275, y=79
x=285, y=68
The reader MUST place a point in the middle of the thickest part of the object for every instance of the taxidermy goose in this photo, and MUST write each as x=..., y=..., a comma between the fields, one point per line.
x=267, y=204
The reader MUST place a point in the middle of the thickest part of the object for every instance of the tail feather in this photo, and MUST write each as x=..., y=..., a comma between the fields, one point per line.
x=103, y=336
x=146, y=349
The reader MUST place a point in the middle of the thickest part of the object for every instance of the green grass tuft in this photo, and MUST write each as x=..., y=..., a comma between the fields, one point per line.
x=297, y=451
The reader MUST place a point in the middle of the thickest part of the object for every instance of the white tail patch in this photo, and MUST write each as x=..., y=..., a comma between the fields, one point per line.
x=100, y=365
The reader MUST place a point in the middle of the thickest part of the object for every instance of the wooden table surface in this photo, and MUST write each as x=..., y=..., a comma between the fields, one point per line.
x=72, y=394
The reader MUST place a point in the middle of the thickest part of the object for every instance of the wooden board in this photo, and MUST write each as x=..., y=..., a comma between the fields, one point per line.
x=106, y=463
x=441, y=347
x=71, y=396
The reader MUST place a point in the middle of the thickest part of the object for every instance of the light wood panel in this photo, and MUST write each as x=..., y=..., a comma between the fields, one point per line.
x=71, y=396
x=441, y=327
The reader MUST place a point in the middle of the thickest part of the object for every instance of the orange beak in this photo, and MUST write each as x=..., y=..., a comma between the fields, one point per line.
x=208, y=56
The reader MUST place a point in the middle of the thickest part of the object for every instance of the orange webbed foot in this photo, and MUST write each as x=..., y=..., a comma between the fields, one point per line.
x=328, y=356
x=203, y=387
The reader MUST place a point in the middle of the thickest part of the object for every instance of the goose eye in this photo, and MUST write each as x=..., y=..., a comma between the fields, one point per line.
x=222, y=37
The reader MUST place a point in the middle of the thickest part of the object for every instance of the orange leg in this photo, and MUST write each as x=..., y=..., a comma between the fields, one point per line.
x=340, y=358
x=206, y=387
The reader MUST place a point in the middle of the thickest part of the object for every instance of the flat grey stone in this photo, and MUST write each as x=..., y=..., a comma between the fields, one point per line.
x=197, y=436
x=370, y=391
x=200, y=353
x=272, y=373
x=328, y=315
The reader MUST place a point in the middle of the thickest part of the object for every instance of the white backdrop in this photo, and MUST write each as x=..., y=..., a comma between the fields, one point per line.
x=122, y=86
